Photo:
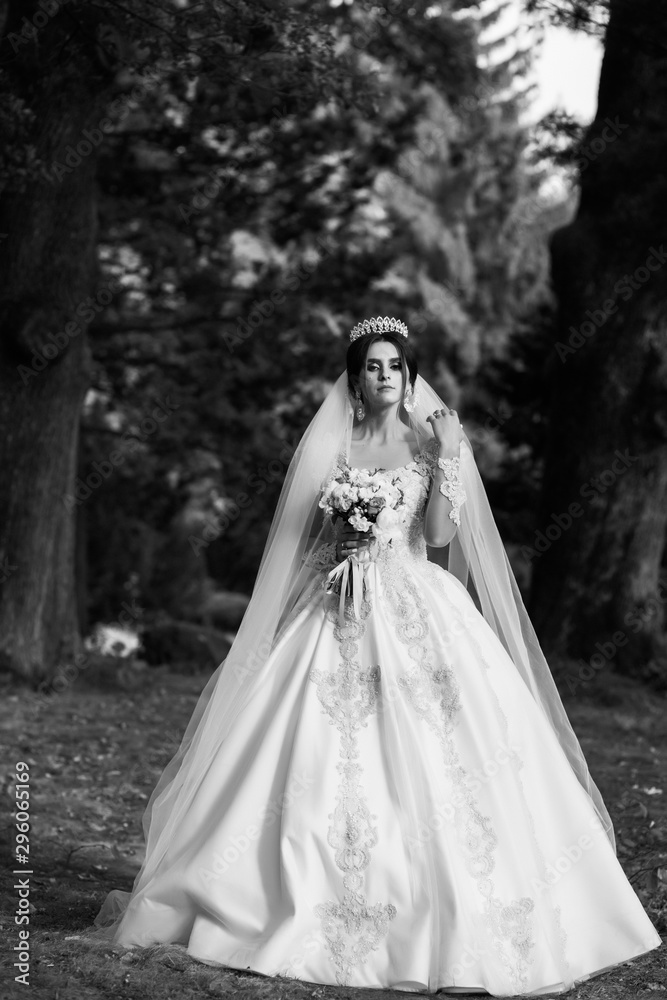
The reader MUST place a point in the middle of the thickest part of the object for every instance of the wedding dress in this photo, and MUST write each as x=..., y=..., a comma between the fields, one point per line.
x=391, y=807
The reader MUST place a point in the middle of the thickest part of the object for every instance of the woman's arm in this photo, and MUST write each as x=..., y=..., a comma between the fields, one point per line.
x=439, y=525
x=439, y=529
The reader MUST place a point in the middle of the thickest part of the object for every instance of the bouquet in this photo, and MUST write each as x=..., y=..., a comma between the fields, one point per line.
x=368, y=502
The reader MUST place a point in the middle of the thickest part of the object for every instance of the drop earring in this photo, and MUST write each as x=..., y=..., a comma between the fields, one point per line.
x=410, y=399
x=361, y=412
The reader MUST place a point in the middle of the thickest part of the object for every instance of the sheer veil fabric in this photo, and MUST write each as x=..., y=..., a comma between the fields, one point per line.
x=477, y=558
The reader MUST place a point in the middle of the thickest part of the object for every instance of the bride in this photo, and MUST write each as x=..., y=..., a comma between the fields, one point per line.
x=379, y=786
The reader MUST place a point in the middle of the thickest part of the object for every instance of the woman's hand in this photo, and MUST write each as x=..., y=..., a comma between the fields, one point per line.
x=350, y=541
x=447, y=429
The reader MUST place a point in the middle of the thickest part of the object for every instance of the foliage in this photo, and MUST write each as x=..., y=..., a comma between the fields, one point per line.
x=269, y=174
x=590, y=16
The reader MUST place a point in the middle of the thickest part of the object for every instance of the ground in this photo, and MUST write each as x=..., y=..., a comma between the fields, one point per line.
x=95, y=752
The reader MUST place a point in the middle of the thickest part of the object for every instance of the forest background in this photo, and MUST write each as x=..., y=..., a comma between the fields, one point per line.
x=197, y=203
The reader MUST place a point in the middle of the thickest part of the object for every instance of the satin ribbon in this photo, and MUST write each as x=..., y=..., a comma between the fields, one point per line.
x=352, y=571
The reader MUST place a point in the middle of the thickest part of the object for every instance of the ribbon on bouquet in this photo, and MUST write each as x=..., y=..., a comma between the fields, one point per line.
x=352, y=571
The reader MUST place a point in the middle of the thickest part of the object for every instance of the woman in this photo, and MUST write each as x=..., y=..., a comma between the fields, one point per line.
x=381, y=788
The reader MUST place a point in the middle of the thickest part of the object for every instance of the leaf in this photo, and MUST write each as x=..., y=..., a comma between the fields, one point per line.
x=652, y=880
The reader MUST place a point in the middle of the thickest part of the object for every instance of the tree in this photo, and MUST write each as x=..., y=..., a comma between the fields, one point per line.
x=60, y=66
x=603, y=513
x=239, y=140
x=470, y=264
x=251, y=241
x=54, y=82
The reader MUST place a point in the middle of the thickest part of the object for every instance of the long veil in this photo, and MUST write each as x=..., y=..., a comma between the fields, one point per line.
x=476, y=557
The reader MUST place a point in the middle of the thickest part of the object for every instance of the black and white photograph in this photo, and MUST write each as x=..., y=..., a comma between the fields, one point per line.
x=333, y=507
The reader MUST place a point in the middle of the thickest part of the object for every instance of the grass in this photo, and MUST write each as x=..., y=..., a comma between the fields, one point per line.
x=95, y=755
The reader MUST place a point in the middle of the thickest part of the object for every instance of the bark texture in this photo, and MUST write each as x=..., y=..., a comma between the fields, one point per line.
x=596, y=592
x=55, y=84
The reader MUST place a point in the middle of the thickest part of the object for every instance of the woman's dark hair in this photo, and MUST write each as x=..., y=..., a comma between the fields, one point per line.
x=357, y=353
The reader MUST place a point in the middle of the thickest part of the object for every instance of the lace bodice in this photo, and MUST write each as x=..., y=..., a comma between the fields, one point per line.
x=414, y=481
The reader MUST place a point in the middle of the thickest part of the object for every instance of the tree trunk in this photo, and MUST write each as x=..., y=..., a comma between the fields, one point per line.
x=47, y=272
x=596, y=592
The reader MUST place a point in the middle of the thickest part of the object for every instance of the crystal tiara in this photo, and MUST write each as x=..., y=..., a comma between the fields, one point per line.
x=380, y=324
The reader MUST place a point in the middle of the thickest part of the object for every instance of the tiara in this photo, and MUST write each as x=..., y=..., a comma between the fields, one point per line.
x=380, y=324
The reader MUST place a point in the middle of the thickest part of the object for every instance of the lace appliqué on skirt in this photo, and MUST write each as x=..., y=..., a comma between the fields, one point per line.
x=433, y=691
x=352, y=926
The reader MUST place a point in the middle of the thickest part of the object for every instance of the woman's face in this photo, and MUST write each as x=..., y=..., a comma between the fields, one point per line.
x=381, y=378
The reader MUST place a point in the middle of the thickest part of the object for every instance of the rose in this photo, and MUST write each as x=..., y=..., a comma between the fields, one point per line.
x=341, y=496
x=375, y=505
x=359, y=522
x=387, y=525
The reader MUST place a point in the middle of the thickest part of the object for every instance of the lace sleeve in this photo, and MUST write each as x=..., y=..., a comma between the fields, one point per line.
x=430, y=455
x=452, y=486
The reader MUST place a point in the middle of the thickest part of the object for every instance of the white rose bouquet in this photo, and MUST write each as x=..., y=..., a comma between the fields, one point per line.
x=368, y=502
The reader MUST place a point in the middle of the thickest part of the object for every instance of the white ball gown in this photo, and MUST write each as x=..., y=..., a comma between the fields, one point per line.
x=391, y=810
